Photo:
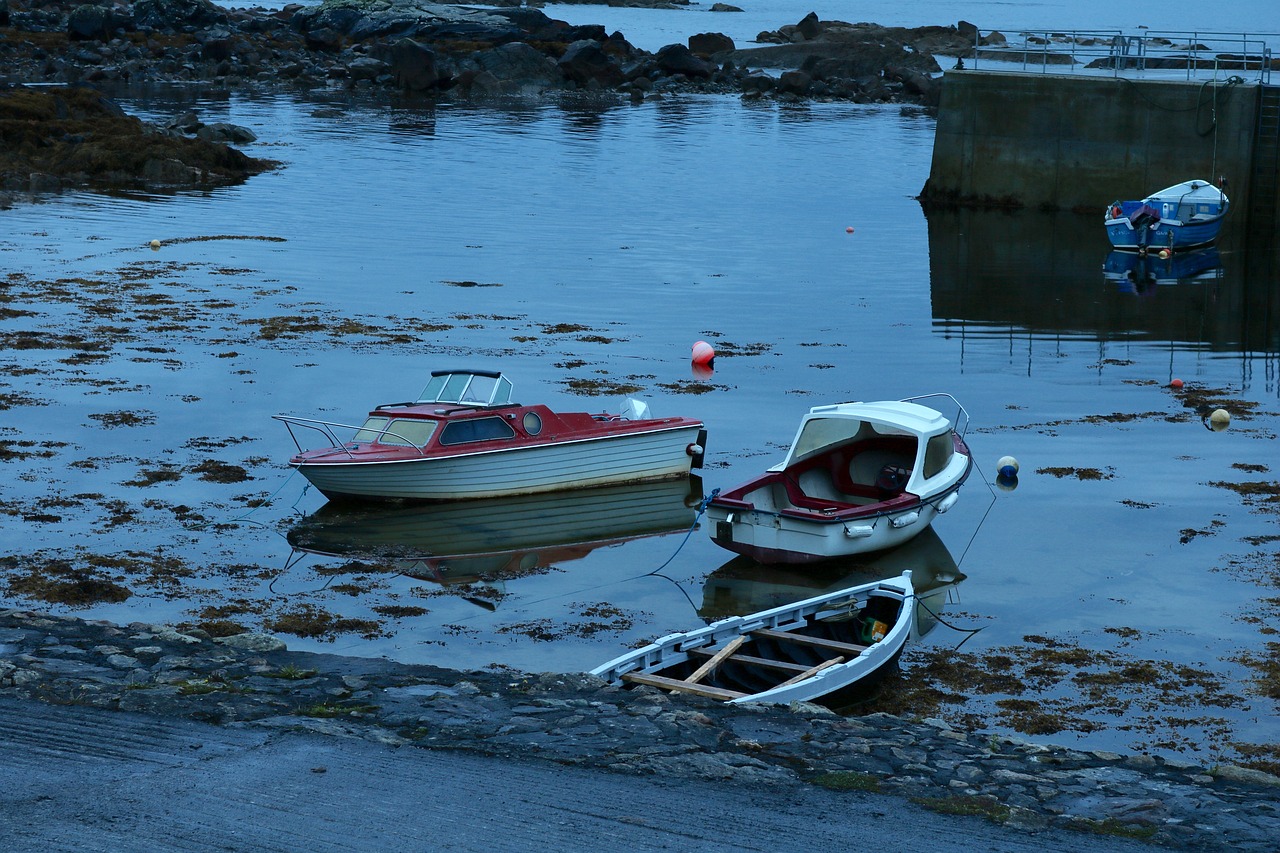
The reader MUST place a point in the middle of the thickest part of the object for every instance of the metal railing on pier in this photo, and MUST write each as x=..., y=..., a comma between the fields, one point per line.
x=1171, y=55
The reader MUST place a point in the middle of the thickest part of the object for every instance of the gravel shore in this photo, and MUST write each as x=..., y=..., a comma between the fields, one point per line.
x=255, y=681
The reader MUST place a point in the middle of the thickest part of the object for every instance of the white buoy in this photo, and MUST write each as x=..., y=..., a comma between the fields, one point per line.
x=1220, y=419
x=155, y=244
x=1007, y=466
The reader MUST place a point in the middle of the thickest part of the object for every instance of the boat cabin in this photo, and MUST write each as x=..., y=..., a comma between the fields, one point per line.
x=868, y=452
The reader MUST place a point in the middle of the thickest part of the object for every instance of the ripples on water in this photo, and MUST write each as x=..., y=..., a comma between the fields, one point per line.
x=655, y=226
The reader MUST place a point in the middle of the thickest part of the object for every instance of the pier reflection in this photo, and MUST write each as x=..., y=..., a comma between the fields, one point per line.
x=491, y=540
x=743, y=586
x=1037, y=272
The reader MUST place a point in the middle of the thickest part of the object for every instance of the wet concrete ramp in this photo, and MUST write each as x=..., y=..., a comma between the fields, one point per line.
x=84, y=779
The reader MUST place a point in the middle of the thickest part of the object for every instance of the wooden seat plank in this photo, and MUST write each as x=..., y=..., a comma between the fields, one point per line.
x=831, y=645
x=681, y=686
x=751, y=660
x=812, y=671
x=729, y=648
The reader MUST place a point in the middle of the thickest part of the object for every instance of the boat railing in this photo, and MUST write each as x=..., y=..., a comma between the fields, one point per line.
x=1232, y=57
x=957, y=413
x=336, y=442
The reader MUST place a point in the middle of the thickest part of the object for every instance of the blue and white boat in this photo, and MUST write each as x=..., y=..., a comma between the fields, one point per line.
x=1182, y=216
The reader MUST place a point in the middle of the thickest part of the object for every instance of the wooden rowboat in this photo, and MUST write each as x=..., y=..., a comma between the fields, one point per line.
x=824, y=648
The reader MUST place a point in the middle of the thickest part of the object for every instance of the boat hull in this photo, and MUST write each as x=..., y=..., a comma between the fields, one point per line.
x=788, y=538
x=1161, y=235
x=616, y=459
x=762, y=639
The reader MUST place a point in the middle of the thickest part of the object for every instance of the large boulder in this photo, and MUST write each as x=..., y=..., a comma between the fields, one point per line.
x=177, y=14
x=91, y=21
x=708, y=44
x=414, y=65
x=521, y=68
x=678, y=59
x=585, y=62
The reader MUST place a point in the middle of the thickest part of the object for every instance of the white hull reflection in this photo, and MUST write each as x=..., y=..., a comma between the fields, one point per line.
x=463, y=541
x=743, y=585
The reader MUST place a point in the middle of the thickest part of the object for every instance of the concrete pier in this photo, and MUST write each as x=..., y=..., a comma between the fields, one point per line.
x=1073, y=142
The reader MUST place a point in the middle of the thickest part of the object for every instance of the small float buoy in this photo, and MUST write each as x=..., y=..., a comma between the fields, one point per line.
x=1164, y=254
x=155, y=244
x=1007, y=467
x=1175, y=383
x=848, y=229
x=1220, y=419
x=703, y=353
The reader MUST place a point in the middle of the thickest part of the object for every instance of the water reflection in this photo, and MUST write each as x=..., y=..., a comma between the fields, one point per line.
x=992, y=271
x=486, y=540
x=743, y=586
x=1141, y=275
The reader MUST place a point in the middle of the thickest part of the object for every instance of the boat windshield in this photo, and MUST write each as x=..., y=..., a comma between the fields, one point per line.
x=398, y=431
x=469, y=388
x=820, y=434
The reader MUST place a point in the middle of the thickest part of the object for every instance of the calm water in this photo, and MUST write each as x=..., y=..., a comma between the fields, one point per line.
x=649, y=228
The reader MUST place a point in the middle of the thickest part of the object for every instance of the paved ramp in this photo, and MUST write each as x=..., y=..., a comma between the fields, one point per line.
x=89, y=780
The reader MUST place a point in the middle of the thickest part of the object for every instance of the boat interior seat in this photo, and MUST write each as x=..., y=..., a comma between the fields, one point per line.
x=861, y=470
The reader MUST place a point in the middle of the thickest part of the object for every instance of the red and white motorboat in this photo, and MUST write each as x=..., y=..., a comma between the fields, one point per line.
x=464, y=438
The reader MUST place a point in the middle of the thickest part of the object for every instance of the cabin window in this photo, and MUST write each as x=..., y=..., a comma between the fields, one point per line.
x=937, y=454
x=532, y=423
x=476, y=429
x=371, y=430
x=403, y=433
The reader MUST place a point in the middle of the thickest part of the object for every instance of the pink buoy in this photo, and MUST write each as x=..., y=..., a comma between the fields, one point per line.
x=703, y=353
x=848, y=230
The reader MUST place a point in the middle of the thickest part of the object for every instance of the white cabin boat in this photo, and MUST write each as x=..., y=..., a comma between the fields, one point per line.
x=859, y=477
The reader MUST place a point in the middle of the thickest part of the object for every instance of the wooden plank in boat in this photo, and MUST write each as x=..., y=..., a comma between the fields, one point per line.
x=763, y=663
x=729, y=648
x=681, y=686
x=833, y=645
x=812, y=671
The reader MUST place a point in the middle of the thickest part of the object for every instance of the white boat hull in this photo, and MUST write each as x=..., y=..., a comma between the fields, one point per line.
x=633, y=457
x=772, y=537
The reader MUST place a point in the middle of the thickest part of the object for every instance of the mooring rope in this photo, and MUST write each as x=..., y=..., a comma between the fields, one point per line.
x=941, y=621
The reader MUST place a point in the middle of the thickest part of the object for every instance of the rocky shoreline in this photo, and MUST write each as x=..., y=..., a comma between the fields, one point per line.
x=70, y=135
x=439, y=50
x=254, y=680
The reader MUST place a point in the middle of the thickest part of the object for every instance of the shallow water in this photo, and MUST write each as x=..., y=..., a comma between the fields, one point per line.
x=648, y=228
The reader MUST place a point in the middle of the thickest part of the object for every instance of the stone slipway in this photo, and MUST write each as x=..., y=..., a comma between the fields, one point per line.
x=256, y=689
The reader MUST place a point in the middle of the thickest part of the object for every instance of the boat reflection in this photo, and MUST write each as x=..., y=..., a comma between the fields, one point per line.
x=1142, y=274
x=469, y=541
x=743, y=586
x=995, y=274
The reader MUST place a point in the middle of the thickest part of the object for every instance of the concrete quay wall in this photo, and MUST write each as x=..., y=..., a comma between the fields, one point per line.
x=1077, y=143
